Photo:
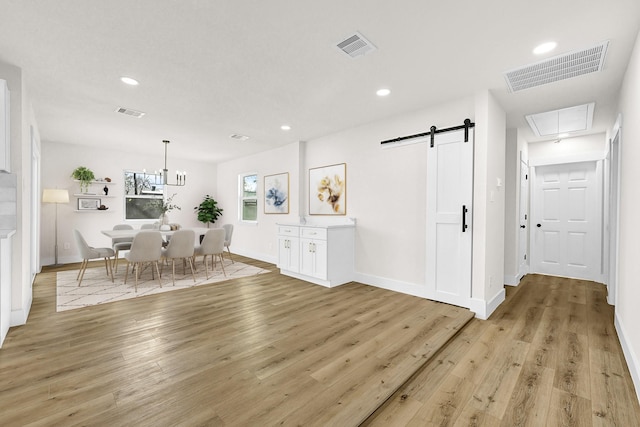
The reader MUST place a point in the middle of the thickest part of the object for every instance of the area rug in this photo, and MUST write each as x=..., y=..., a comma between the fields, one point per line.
x=96, y=287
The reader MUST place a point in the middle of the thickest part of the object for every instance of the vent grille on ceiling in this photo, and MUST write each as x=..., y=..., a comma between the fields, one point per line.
x=130, y=112
x=238, y=137
x=356, y=45
x=558, y=68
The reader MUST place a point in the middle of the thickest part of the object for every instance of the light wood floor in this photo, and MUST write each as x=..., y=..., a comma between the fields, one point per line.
x=549, y=356
x=258, y=351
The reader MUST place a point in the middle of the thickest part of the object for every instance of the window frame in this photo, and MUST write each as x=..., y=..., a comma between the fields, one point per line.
x=152, y=188
x=242, y=198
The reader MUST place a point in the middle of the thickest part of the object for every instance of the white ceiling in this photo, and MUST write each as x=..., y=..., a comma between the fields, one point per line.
x=209, y=69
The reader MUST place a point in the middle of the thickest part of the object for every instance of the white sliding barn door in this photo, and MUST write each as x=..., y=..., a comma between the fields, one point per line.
x=449, y=218
x=566, y=221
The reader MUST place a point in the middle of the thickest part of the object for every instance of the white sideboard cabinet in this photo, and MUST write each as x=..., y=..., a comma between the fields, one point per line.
x=320, y=254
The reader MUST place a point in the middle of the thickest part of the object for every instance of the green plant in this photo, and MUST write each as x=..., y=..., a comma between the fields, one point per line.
x=208, y=210
x=84, y=175
x=168, y=206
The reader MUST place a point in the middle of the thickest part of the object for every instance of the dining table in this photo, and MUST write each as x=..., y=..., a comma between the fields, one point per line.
x=118, y=234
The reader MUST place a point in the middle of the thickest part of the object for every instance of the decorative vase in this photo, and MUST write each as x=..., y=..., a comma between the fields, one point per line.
x=164, y=219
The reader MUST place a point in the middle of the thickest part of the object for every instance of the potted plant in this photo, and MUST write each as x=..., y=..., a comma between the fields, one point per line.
x=85, y=176
x=208, y=210
x=167, y=206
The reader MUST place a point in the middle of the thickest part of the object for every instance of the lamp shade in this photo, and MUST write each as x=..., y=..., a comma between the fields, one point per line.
x=55, y=195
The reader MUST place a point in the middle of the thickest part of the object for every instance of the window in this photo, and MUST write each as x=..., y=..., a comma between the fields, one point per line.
x=142, y=195
x=248, y=197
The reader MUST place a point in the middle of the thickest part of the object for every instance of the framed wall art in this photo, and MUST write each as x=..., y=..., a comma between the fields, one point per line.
x=85, y=204
x=328, y=190
x=276, y=193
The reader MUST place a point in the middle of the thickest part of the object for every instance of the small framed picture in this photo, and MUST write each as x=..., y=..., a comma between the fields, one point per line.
x=88, y=204
x=328, y=190
x=276, y=193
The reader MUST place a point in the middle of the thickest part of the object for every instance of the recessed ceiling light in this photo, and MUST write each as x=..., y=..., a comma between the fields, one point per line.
x=544, y=48
x=383, y=92
x=285, y=127
x=129, y=81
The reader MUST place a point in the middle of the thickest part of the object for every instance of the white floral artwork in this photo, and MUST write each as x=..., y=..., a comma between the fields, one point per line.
x=328, y=190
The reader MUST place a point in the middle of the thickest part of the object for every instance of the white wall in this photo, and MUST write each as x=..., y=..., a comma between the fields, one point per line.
x=511, y=204
x=59, y=160
x=628, y=292
x=568, y=150
x=258, y=240
x=386, y=193
x=488, y=205
x=22, y=119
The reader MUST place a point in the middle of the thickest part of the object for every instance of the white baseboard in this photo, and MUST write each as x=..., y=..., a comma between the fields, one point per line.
x=512, y=279
x=390, y=284
x=630, y=357
x=483, y=309
x=19, y=317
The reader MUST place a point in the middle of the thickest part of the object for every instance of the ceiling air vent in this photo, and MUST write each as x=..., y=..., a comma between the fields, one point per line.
x=130, y=112
x=238, y=137
x=558, y=68
x=356, y=45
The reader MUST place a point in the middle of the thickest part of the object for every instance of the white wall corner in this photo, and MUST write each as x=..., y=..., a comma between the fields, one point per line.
x=630, y=357
x=19, y=317
x=512, y=279
x=483, y=309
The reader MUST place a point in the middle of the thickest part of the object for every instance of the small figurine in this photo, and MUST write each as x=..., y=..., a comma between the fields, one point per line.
x=106, y=190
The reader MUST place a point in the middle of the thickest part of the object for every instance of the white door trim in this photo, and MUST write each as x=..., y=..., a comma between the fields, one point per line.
x=614, y=205
x=536, y=266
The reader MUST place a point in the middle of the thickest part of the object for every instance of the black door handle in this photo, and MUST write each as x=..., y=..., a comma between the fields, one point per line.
x=538, y=225
x=523, y=226
x=464, y=218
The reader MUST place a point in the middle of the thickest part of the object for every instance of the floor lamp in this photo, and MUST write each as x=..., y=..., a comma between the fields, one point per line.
x=54, y=195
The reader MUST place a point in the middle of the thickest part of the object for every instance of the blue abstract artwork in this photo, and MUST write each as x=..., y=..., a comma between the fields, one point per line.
x=276, y=194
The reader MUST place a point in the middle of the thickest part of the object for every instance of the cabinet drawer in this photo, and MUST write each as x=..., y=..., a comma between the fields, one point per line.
x=314, y=233
x=288, y=231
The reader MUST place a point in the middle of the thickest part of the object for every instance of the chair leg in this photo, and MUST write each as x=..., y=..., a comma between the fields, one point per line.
x=173, y=270
x=136, y=269
x=193, y=273
x=80, y=270
x=229, y=255
x=108, y=267
x=222, y=264
x=159, y=281
x=115, y=261
x=126, y=273
x=206, y=266
x=83, y=268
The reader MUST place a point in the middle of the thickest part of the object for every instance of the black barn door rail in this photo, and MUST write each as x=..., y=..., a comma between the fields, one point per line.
x=433, y=131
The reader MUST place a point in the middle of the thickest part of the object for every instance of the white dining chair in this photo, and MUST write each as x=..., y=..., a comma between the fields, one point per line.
x=212, y=244
x=88, y=253
x=180, y=247
x=121, y=243
x=145, y=248
x=228, y=230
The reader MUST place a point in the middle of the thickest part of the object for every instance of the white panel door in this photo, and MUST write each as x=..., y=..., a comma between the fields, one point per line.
x=567, y=217
x=449, y=213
